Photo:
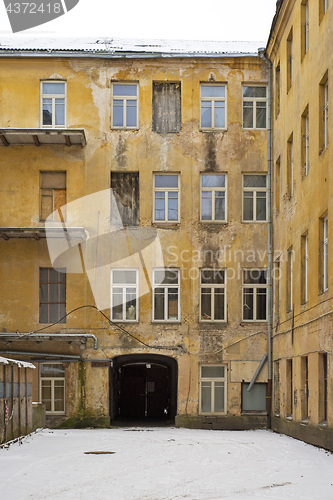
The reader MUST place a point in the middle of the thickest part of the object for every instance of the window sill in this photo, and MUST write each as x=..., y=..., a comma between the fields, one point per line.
x=261, y=413
x=166, y=322
x=289, y=419
x=255, y=129
x=166, y=225
x=254, y=221
x=323, y=423
x=124, y=128
x=213, y=321
x=217, y=222
x=212, y=129
x=127, y=321
x=253, y=322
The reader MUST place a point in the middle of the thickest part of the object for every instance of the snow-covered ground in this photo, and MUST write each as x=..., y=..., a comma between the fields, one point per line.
x=164, y=464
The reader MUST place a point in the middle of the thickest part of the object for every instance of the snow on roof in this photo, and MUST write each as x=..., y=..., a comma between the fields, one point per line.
x=120, y=47
x=21, y=364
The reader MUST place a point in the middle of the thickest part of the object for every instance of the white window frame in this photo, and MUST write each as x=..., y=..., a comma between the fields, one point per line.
x=325, y=253
x=124, y=287
x=213, y=380
x=213, y=190
x=291, y=166
x=255, y=190
x=306, y=267
x=213, y=100
x=254, y=100
x=212, y=287
x=53, y=379
x=255, y=286
x=290, y=265
x=166, y=190
x=53, y=97
x=325, y=6
x=307, y=143
x=166, y=303
x=125, y=98
x=326, y=115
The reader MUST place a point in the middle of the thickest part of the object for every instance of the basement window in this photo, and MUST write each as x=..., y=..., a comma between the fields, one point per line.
x=52, y=196
x=52, y=387
x=255, y=400
x=53, y=104
x=166, y=107
x=213, y=393
x=125, y=198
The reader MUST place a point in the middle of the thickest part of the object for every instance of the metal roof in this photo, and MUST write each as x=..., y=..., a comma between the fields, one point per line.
x=118, y=47
x=40, y=136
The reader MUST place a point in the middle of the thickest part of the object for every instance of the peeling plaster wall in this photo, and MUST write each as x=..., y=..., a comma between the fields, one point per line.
x=188, y=245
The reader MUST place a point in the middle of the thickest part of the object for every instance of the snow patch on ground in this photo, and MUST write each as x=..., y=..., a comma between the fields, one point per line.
x=164, y=464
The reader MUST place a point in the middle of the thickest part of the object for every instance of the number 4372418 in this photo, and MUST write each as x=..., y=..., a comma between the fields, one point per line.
x=33, y=8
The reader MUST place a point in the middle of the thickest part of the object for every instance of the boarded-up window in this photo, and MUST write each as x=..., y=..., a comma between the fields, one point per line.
x=125, y=198
x=52, y=195
x=255, y=399
x=52, y=295
x=166, y=107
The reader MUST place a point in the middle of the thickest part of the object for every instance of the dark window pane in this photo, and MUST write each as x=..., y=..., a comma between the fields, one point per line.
x=248, y=206
x=212, y=371
x=261, y=115
x=121, y=89
x=206, y=304
x=254, y=276
x=206, y=397
x=261, y=303
x=252, y=91
x=248, y=115
x=219, y=304
x=159, y=303
x=213, y=180
x=261, y=206
x=170, y=181
x=212, y=91
x=206, y=206
x=254, y=181
x=248, y=304
x=219, y=206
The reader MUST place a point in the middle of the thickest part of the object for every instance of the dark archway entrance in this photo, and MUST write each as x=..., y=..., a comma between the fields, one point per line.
x=143, y=388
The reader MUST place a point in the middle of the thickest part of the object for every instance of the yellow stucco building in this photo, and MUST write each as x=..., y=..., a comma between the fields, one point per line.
x=134, y=218
x=299, y=48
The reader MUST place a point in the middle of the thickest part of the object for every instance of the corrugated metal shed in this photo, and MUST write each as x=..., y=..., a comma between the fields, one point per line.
x=117, y=47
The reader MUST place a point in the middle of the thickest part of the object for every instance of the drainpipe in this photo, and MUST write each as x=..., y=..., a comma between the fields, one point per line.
x=262, y=54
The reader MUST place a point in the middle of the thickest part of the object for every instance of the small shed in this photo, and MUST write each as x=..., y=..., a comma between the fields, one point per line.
x=15, y=398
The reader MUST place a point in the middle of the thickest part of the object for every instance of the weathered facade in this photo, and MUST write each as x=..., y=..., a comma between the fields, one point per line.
x=133, y=180
x=302, y=66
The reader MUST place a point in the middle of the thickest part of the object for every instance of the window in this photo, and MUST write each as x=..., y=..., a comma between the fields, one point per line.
x=290, y=60
x=53, y=104
x=52, y=387
x=304, y=268
x=52, y=195
x=124, y=294
x=290, y=383
x=323, y=388
x=52, y=295
x=213, y=295
x=323, y=6
x=277, y=290
x=277, y=185
x=325, y=253
x=290, y=279
x=166, y=107
x=323, y=123
x=304, y=387
x=166, y=198
x=125, y=198
x=305, y=141
x=277, y=89
x=290, y=166
x=166, y=306
x=254, y=400
x=254, y=107
x=277, y=388
x=254, y=198
x=213, y=197
x=213, y=106
x=213, y=385
x=305, y=27
x=254, y=295
x=124, y=105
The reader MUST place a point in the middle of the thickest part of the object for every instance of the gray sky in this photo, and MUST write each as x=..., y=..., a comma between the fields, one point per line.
x=183, y=19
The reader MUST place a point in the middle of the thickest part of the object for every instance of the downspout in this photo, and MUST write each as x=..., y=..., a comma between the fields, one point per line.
x=262, y=54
